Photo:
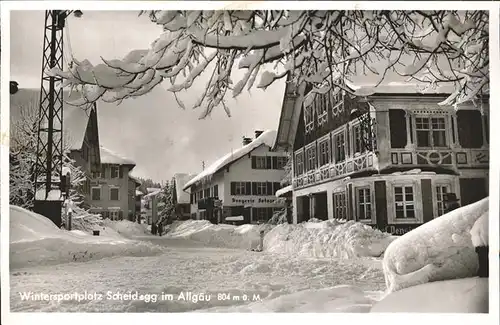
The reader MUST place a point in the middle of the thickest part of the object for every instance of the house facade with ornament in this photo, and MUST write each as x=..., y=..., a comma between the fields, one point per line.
x=240, y=187
x=386, y=159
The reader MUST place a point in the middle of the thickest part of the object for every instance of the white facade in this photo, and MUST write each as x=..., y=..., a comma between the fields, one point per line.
x=242, y=188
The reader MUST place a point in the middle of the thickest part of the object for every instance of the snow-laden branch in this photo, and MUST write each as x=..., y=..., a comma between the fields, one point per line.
x=322, y=48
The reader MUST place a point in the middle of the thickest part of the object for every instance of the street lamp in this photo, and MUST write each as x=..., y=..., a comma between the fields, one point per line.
x=14, y=87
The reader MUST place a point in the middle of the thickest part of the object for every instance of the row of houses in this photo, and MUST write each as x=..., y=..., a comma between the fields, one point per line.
x=387, y=160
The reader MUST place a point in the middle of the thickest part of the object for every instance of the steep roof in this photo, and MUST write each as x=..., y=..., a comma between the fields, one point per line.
x=180, y=181
x=75, y=119
x=266, y=138
x=111, y=157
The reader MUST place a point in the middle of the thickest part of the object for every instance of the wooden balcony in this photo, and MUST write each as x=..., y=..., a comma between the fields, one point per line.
x=329, y=172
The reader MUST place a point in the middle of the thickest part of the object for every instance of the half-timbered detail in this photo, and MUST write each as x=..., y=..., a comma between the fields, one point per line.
x=386, y=160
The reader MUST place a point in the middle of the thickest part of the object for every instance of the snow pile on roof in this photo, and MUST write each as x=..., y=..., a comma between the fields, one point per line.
x=331, y=238
x=413, y=172
x=152, y=191
x=235, y=218
x=266, y=138
x=110, y=157
x=284, y=190
x=440, y=249
x=138, y=193
x=221, y=235
x=180, y=181
x=35, y=241
x=127, y=228
x=402, y=88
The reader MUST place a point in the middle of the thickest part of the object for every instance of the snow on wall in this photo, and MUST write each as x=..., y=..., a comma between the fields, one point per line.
x=266, y=138
x=180, y=181
x=35, y=240
x=440, y=249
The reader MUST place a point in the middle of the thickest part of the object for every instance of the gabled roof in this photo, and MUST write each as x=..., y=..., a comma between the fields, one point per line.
x=75, y=119
x=111, y=157
x=266, y=138
x=180, y=181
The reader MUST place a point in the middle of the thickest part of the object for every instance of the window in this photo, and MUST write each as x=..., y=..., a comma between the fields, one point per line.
x=431, y=132
x=339, y=205
x=216, y=190
x=339, y=141
x=261, y=188
x=96, y=175
x=308, y=118
x=440, y=191
x=114, y=214
x=261, y=214
x=363, y=203
x=299, y=163
x=96, y=193
x=281, y=162
x=321, y=105
x=114, y=194
x=324, y=152
x=206, y=192
x=311, y=158
x=357, y=139
x=404, y=202
x=260, y=162
x=238, y=188
x=115, y=171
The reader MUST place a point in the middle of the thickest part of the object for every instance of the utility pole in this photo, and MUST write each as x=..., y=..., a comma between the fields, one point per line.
x=203, y=165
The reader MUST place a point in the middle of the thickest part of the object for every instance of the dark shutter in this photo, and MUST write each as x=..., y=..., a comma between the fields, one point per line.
x=397, y=124
x=248, y=188
x=275, y=162
x=254, y=188
x=269, y=188
x=254, y=162
x=470, y=128
x=233, y=188
x=427, y=209
x=268, y=162
x=486, y=124
x=381, y=204
x=276, y=186
x=120, y=215
x=121, y=168
x=191, y=198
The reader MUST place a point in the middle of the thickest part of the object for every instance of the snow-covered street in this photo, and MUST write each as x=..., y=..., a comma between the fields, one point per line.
x=225, y=275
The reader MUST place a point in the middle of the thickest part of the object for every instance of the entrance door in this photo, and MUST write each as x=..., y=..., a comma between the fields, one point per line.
x=472, y=190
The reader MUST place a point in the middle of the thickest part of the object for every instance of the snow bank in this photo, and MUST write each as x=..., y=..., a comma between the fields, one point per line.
x=127, y=228
x=222, y=235
x=330, y=238
x=35, y=240
x=469, y=295
x=440, y=249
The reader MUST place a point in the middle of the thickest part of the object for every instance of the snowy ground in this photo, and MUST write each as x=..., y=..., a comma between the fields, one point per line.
x=194, y=258
x=282, y=283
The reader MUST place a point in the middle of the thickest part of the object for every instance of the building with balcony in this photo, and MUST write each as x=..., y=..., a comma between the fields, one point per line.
x=240, y=187
x=387, y=159
x=112, y=192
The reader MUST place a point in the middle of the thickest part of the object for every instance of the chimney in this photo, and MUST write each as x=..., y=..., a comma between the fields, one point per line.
x=258, y=133
x=246, y=140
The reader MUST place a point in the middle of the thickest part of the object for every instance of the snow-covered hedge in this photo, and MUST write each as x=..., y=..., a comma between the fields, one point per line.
x=35, y=240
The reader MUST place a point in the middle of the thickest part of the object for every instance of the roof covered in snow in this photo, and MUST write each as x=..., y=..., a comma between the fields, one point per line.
x=75, y=119
x=181, y=180
x=266, y=138
x=110, y=157
x=138, y=193
x=284, y=190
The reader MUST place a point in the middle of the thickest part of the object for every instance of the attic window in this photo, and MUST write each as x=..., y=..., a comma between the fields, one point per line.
x=115, y=171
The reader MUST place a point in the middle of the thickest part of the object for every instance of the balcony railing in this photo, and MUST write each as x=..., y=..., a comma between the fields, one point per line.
x=332, y=171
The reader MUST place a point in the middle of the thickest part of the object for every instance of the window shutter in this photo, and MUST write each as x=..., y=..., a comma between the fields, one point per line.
x=254, y=188
x=254, y=162
x=233, y=188
x=268, y=162
x=397, y=125
x=276, y=186
x=269, y=186
x=248, y=188
x=275, y=162
x=470, y=128
x=121, y=169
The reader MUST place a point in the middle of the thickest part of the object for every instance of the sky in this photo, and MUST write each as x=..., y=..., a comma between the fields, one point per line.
x=152, y=130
